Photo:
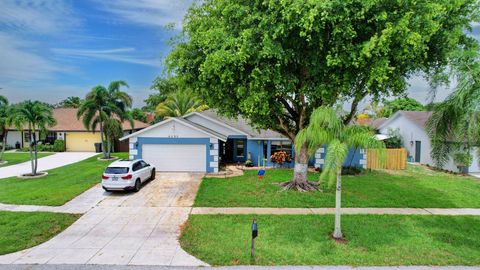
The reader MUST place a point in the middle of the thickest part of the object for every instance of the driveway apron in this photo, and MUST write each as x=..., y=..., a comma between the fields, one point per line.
x=125, y=228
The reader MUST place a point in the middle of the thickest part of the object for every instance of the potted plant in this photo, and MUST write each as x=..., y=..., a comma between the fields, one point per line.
x=280, y=158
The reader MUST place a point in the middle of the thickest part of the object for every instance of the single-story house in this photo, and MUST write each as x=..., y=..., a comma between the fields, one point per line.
x=70, y=129
x=198, y=141
x=412, y=128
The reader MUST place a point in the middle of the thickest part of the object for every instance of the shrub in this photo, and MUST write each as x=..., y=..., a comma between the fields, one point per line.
x=395, y=140
x=59, y=146
x=354, y=170
x=248, y=163
x=280, y=157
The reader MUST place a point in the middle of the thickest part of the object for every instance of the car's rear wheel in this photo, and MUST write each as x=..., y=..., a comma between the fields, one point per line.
x=138, y=185
x=152, y=176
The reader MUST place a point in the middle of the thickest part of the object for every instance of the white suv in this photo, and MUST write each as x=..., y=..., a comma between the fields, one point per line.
x=127, y=175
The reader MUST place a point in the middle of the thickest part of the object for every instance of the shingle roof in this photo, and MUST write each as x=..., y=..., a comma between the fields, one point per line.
x=67, y=121
x=242, y=125
x=378, y=122
x=213, y=132
x=420, y=118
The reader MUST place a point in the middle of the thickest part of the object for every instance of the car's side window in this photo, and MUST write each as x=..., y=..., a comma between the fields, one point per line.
x=136, y=166
x=143, y=164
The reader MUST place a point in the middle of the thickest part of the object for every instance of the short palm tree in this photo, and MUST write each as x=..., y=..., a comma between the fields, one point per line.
x=102, y=104
x=178, y=104
x=35, y=116
x=327, y=128
x=5, y=122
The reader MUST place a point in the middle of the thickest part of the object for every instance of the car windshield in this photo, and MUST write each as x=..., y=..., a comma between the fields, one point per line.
x=116, y=170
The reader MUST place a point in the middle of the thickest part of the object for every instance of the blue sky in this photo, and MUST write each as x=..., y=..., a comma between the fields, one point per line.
x=52, y=49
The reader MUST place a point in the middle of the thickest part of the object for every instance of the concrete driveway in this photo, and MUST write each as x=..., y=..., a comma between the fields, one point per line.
x=125, y=229
x=45, y=163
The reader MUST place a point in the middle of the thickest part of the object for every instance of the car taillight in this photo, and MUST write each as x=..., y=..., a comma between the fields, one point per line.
x=104, y=177
x=127, y=177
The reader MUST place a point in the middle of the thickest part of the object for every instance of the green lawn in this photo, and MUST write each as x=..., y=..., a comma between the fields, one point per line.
x=21, y=230
x=15, y=158
x=414, y=187
x=304, y=240
x=58, y=187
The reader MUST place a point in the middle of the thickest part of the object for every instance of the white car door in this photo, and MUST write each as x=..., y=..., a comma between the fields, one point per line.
x=145, y=171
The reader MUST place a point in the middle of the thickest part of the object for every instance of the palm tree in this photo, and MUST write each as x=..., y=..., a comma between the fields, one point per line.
x=454, y=126
x=5, y=122
x=36, y=116
x=327, y=128
x=178, y=104
x=70, y=102
x=102, y=104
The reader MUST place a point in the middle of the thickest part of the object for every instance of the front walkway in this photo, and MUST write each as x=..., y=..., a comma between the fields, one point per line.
x=125, y=229
x=45, y=163
x=345, y=211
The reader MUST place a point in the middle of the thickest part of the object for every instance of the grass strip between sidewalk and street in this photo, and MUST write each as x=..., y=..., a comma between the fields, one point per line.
x=21, y=230
x=58, y=187
x=305, y=240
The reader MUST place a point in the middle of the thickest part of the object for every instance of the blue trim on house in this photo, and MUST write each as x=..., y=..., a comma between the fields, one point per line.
x=157, y=140
x=237, y=137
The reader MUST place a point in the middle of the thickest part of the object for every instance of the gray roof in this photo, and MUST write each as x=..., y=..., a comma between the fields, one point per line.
x=213, y=132
x=420, y=118
x=242, y=125
x=378, y=122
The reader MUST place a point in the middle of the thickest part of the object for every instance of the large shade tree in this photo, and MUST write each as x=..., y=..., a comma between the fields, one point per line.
x=102, y=104
x=273, y=62
x=34, y=117
x=326, y=128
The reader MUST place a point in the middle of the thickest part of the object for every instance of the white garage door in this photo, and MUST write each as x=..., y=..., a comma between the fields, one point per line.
x=176, y=157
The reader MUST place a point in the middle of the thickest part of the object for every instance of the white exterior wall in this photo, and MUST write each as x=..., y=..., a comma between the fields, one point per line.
x=410, y=131
x=13, y=137
x=175, y=129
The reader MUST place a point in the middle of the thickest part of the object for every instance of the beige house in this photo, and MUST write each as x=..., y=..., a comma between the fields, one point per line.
x=70, y=129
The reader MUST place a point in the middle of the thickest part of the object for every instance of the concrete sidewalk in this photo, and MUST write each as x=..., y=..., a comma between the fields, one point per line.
x=79, y=205
x=45, y=163
x=345, y=211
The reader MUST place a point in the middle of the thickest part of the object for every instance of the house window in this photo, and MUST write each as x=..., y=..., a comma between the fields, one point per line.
x=240, y=145
x=281, y=146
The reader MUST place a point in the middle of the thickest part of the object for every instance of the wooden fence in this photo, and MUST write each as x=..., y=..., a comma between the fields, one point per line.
x=395, y=159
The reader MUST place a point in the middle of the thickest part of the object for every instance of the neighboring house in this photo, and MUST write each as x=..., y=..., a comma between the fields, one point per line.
x=411, y=125
x=69, y=128
x=199, y=141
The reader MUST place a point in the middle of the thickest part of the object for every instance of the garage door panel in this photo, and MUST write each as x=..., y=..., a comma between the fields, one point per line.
x=81, y=141
x=176, y=157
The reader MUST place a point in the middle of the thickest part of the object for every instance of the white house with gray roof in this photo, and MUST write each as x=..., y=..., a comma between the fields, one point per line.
x=411, y=125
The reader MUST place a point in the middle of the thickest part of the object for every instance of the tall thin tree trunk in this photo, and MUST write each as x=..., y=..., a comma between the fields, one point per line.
x=30, y=148
x=103, y=140
x=337, y=233
x=4, y=143
x=35, y=151
x=109, y=147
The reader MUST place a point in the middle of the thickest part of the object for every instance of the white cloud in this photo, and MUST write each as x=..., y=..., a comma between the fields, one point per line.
x=37, y=16
x=126, y=55
x=20, y=62
x=148, y=12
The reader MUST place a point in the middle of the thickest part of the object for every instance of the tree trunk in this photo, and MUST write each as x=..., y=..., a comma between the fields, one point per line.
x=30, y=148
x=103, y=141
x=337, y=233
x=35, y=152
x=4, y=143
x=109, y=147
x=300, y=171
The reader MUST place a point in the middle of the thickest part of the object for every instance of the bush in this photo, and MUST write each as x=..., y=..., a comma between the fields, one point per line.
x=280, y=157
x=395, y=140
x=59, y=146
x=248, y=163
